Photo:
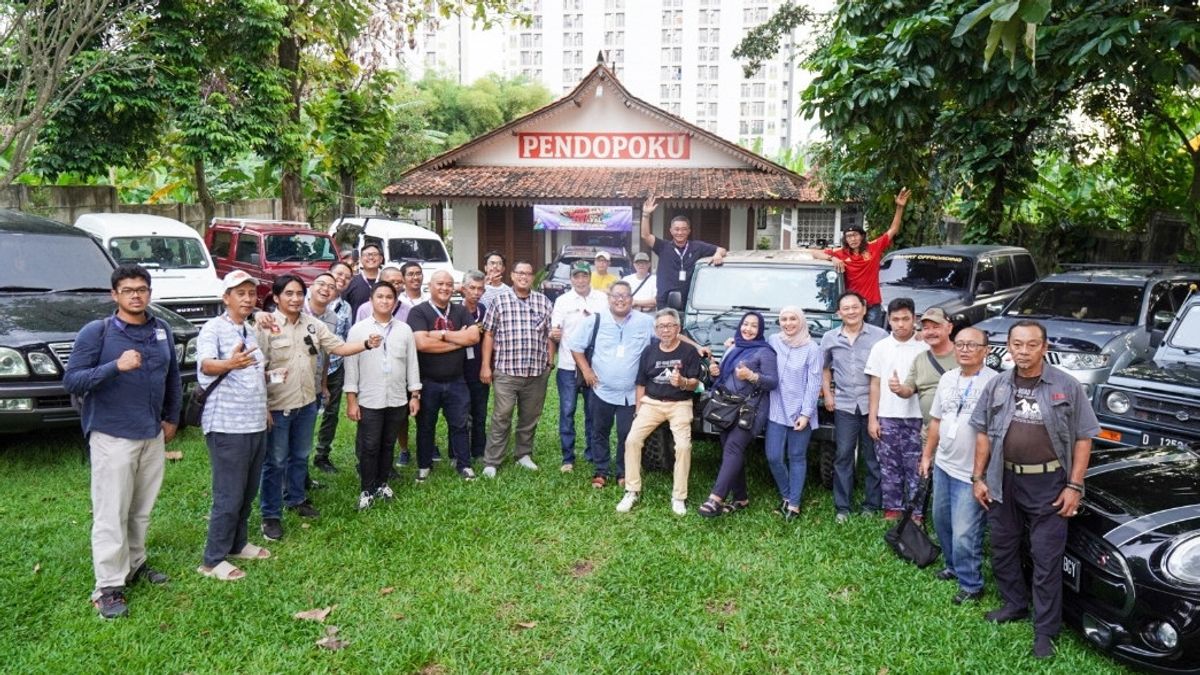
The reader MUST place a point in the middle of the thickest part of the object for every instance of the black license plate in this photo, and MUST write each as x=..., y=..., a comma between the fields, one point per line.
x=1136, y=438
x=1071, y=572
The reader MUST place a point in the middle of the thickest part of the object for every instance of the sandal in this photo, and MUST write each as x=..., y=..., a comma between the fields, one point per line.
x=711, y=508
x=223, y=571
x=734, y=507
x=598, y=482
x=251, y=552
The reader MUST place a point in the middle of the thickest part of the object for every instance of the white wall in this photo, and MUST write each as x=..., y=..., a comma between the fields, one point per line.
x=737, y=227
x=465, y=231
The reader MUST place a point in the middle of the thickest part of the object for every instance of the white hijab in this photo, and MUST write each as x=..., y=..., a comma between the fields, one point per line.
x=802, y=336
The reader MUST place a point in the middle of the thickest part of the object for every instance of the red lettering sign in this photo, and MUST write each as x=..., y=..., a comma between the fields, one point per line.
x=580, y=145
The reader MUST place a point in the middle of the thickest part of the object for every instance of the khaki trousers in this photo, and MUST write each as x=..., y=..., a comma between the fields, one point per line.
x=126, y=476
x=650, y=414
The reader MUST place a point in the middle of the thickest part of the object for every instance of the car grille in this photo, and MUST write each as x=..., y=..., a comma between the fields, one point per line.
x=1000, y=351
x=62, y=352
x=1174, y=413
x=51, y=402
x=196, y=312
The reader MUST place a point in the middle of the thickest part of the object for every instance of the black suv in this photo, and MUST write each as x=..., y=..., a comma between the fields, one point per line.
x=970, y=283
x=556, y=278
x=54, y=279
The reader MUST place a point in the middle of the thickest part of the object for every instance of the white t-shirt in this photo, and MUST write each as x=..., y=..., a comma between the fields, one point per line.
x=953, y=403
x=649, y=290
x=570, y=309
x=887, y=356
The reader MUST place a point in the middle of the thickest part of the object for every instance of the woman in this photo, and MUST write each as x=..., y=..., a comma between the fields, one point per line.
x=749, y=370
x=793, y=408
x=382, y=388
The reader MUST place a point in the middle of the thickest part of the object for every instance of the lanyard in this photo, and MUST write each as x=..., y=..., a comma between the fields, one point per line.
x=388, y=331
x=682, y=254
x=443, y=322
x=966, y=394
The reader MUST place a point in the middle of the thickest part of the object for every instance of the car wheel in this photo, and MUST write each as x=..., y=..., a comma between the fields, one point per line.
x=658, y=454
x=826, y=453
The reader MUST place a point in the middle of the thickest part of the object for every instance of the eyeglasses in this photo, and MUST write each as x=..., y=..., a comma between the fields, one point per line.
x=661, y=326
x=321, y=284
x=622, y=297
x=522, y=274
x=968, y=346
x=130, y=292
x=312, y=348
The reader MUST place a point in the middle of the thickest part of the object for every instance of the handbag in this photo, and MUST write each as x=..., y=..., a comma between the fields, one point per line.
x=908, y=538
x=193, y=405
x=723, y=410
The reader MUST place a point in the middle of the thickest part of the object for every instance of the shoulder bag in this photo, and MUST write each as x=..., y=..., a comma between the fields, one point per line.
x=909, y=539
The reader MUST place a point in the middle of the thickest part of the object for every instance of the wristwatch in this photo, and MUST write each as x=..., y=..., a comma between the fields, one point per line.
x=976, y=479
x=367, y=344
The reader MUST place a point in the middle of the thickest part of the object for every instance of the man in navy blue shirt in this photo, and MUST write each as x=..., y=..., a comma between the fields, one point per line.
x=677, y=257
x=125, y=368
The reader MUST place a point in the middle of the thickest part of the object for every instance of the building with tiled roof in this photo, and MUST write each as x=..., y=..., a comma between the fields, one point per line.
x=601, y=147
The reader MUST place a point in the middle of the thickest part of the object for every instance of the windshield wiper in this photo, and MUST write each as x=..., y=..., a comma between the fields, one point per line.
x=1019, y=313
x=82, y=289
x=22, y=289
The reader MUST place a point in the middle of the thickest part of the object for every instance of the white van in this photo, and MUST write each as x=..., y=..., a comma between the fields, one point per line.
x=401, y=240
x=184, y=277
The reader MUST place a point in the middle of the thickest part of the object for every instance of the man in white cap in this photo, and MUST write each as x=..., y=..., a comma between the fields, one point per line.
x=643, y=283
x=601, y=277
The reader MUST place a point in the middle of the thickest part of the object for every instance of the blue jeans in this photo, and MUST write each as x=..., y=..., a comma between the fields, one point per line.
x=850, y=431
x=453, y=400
x=568, y=396
x=603, y=414
x=286, y=466
x=958, y=521
x=787, y=455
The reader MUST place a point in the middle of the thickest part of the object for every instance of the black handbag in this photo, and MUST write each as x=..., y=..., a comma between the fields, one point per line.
x=908, y=538
x=723, y=410
x=193, y=405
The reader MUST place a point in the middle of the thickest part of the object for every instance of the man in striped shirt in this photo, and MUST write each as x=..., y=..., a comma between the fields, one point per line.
x=517, y=357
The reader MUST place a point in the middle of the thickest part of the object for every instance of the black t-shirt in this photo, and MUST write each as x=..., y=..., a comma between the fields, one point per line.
x=474, y=354
x=1027, y=440
x=655, y=370
x=671, y=260
x=445, y=367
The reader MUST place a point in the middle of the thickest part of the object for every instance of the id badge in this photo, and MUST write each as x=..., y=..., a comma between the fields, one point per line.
x=949, y=427
x=470, y=353
x=160, y=334
x=387, y=366
x=683, y=275
x=620, y=351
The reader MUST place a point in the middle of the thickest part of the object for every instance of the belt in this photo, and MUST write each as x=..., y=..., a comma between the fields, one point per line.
x=1022, y=469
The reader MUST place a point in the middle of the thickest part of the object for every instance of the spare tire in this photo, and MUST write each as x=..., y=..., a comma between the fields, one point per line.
x=658, y=454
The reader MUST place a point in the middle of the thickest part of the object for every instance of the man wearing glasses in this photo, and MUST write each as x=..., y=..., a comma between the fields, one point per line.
x=609, y=367
x=359, y=292
x=949, y=451
x=1034, y=429
x=668, y=374
x=126, y=370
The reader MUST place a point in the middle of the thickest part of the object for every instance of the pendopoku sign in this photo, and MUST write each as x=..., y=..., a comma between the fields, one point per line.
x=588, y=145
x=595, y=218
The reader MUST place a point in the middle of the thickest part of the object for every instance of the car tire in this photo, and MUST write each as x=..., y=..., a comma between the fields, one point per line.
x=825, y=453
x=658, y=453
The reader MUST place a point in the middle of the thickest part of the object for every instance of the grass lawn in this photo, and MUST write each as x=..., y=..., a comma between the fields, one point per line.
x=529, y=572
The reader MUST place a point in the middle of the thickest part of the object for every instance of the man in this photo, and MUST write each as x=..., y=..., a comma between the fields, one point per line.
x=846, y=350
x=359, y=292
x=601, y=277
x=390, y=274
x=493, y=269
x=443, y=332
x=335, y=371
x=677, y=257
x=609, y=368
x=349, y=257
x=957, y=517
x=517, y=357
x=414, y=277
x=472, y=291
x=668, y=374
x=1034, y=428
x=642, y=281
x=926, y=371
x=895, y=422
x=570, y=310
x=860, y=259
x=125, y=369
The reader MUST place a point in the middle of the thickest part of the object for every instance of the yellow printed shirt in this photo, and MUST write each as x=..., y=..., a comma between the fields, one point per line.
x=288, y=348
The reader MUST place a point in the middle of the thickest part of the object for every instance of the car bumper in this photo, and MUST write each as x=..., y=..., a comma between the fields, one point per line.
x=1126, y=436
x=29, y=406
x=1124, y=637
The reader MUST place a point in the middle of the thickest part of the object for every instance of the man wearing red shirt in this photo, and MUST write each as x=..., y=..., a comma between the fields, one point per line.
x=860, y=259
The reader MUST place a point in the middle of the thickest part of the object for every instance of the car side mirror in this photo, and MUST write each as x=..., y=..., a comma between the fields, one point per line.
x=1162, y=321
x=675, y=300
x=985, y=287
x=1156, y=337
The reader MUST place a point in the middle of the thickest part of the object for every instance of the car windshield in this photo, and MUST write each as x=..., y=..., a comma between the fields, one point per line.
x=52, y=261
x=1187, y=329
x=1090, y=302
x=423, y=250
x=299, y=248
x=159, y=252
x=770, y=287
x=925, y=270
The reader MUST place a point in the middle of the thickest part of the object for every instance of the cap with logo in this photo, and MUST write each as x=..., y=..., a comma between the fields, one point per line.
x=237, y=278
x=936, y=315
x=581, y=267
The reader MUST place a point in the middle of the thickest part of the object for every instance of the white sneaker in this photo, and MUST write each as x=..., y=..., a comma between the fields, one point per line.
x=365, y=500
x=679, y=507
x=627, y=502
x=422, y=475
x=467, y=473
x=489, y=472
x=384, y=492
x=567, y=468
x=527, y=462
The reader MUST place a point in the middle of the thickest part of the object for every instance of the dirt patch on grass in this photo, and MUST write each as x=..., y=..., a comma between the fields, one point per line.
x=723, y=607
x=582, y=568
x=433, y=669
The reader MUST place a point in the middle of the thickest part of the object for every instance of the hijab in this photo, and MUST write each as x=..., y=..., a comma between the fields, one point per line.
x=802, y=337
x=742, y=348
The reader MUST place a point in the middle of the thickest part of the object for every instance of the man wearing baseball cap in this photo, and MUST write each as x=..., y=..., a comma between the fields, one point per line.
x=926, y=371
x=570, y=310
x=643, y=283
x=601, y=277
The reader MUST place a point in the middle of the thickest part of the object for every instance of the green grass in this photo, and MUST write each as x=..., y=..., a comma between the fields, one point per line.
x=471, y=563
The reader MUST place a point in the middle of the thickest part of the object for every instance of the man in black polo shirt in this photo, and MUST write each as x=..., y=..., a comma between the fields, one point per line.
x=443, y=332
x=677, y=257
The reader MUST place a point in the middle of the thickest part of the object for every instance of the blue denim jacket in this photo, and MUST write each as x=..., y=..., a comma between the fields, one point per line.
x=1066, y=413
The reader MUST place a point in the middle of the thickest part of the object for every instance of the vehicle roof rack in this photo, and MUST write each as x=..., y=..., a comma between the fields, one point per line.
x=1067, y=267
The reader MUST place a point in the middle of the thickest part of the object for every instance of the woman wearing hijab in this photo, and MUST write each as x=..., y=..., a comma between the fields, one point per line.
x=793, y=408
x=749, y=370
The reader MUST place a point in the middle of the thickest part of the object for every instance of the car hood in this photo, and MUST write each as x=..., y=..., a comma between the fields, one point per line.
x=1067, y=336
x=1180, y=374
x=713, y=329
x=1145, y=489
x=37, y=318
x=949, y=299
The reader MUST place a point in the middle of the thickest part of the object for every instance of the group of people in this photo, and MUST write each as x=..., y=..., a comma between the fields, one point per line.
x=1012, y=446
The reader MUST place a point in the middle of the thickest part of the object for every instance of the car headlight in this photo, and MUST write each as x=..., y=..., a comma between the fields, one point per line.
x=42, y=364
x=1183, y=561
x=1117, y=402
x=189, y=352
x=12, y=364
x=1082, y=361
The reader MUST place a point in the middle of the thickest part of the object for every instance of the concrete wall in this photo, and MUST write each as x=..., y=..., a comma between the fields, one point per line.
x=66, y=203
